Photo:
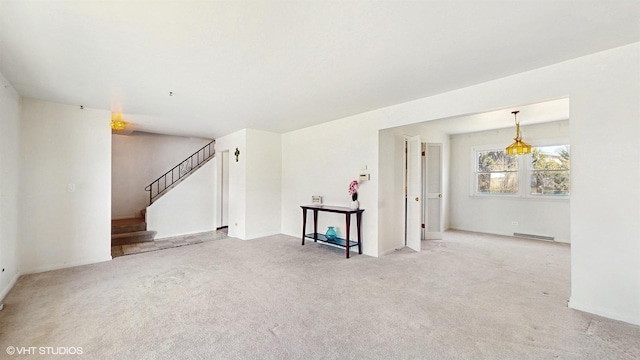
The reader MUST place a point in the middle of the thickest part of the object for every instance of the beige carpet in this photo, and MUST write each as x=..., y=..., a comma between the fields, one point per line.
x=468, y=296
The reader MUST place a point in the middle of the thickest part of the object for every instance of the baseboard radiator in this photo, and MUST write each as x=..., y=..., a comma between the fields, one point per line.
x=537, y=237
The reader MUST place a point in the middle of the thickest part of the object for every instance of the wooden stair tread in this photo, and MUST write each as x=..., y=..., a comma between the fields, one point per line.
x=128, y=221
x=132, y=237
x=132, y=234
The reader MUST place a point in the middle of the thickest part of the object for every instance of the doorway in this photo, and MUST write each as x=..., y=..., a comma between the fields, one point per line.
x=432, y=190
x=423, y=191
x=224, y=191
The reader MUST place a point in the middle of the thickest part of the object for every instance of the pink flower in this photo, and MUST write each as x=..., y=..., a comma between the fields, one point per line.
x=353, y=190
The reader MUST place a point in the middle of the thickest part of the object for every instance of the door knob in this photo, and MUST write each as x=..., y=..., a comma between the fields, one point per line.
x=417, y=198
x=440, y=196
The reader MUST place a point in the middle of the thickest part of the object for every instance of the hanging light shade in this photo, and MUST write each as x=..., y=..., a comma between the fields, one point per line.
x=519, y=147
x=116, y=121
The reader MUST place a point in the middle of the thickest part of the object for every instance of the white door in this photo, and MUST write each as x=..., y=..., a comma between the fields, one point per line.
x=433, y=208
x=414, y=192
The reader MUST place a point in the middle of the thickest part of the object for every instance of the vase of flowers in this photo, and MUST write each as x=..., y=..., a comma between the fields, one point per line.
x=353, y=191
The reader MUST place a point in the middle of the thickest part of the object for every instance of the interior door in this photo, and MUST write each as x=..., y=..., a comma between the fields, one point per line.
x=433, y=208
x=414, y=192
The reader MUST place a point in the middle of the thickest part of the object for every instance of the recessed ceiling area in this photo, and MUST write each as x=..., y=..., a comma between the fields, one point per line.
x=543, y=112
x=280, y=65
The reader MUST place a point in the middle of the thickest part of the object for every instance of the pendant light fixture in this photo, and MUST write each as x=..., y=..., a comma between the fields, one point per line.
x=116, y=121
x=519, y=147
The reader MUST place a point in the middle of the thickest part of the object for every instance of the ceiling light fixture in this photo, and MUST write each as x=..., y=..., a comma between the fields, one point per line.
x=116, y=121
x=519, y=147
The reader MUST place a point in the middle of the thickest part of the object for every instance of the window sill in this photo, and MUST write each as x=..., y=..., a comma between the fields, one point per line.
x=521, y=197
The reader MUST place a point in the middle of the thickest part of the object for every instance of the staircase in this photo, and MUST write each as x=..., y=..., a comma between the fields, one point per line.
x=134, y=230
x=180, y=172
x=130, y=231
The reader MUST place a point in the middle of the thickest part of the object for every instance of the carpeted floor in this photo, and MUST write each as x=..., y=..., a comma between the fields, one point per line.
x=468, y=296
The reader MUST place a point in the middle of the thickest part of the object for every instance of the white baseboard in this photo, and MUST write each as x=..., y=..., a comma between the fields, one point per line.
x=68, y=265
x=596, y=310
x=558, y=240
x=386, y=252
x=9, y=286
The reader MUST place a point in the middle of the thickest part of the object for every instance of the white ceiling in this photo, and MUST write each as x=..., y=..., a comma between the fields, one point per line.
x=543, y=112
x=284, y=65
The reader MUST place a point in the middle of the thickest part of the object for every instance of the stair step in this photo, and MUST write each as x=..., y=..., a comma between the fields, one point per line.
x=122, y=226
x=133, y=220
x=123, y=229
x=132, y=237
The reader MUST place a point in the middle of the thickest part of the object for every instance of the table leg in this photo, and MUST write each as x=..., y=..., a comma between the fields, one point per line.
x=304, y=223
x=359, y=219
x=315, y=225
x=348, y=231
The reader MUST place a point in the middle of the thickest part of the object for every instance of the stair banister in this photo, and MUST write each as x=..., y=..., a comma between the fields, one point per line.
x=208, y=152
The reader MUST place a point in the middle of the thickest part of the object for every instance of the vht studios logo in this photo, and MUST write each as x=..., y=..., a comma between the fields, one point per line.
x=44, y=350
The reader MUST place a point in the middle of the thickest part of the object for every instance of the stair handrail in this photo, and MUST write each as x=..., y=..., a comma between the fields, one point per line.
x=185, y=167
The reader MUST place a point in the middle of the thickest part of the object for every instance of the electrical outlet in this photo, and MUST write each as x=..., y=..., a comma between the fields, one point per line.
x=316, y=199
x=514, y=223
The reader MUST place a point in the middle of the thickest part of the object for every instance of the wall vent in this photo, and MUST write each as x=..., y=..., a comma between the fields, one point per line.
x=531, y=236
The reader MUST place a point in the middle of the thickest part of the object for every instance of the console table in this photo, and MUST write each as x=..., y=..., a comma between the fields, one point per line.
x=321, y=237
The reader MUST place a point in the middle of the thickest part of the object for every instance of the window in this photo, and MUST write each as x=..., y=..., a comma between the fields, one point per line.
x=544, y=172
x=550, y=170
x=496, y=172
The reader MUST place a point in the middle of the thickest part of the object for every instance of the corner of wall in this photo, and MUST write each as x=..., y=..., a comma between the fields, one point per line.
x=10, y=103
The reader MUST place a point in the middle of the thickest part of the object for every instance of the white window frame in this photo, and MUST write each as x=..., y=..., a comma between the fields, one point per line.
x=524, y=172
x=474, y=184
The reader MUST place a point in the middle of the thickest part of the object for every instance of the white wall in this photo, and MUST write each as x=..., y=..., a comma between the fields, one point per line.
x=9, y=184
x=254, y=183
x=137, y=160
x=188, y=208
x=604, y=92
x=322, y=160
x=391, y=191
x=223, y=176
x=62, y=145
x=263, y=183
x=237, y=182
x=547, y=217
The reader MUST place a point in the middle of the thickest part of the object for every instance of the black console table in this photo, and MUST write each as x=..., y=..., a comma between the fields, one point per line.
x=321, y=237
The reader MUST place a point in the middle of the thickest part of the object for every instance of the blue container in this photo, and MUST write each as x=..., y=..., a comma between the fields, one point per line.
x=331, y=233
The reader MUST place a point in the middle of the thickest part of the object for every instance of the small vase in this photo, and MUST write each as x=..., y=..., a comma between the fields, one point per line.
x=355, y=205
x=331, y=233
